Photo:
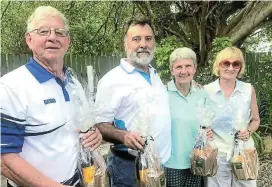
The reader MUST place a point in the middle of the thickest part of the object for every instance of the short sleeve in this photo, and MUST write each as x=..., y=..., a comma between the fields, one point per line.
x=107, y=102
x=13, y=121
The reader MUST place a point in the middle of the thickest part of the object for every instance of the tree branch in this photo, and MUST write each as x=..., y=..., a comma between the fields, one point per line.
x=140, y=7
x=181, y=36
x=235, y=20
x=211, y=10
x=6, y=8
x=202, y=32
x=105, y=22
x=250, y=21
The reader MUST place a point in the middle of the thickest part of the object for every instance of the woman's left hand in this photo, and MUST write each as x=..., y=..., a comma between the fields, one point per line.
x=243, y=135
x=209, y=134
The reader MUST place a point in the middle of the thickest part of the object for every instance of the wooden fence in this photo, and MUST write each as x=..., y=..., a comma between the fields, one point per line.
x=102, y=64
x=258, y=68
x=79, y=63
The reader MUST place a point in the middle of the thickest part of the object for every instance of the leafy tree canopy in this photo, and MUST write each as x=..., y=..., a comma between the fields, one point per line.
x=96, y=27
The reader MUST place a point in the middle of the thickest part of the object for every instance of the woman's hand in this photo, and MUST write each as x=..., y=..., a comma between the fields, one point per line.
x=244, y=135
x=209, y=134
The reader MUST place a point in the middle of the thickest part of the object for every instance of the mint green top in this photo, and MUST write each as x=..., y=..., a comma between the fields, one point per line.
x=185, y=124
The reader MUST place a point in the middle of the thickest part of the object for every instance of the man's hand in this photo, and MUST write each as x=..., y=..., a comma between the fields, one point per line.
x=209, y=134
x=92, y=139
x=133, y=140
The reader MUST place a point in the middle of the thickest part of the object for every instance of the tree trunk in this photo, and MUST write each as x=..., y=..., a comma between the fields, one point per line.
x=202, y=33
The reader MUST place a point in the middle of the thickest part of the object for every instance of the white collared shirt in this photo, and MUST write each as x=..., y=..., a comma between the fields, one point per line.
x=126, y=98
x=37, y=120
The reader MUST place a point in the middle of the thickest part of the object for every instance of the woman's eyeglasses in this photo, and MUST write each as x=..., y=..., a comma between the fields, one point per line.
x=235, y=64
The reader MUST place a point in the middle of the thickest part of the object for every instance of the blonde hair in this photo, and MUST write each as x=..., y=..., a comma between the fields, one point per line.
x=45, y=11
x=182, y=53
x=229, y=53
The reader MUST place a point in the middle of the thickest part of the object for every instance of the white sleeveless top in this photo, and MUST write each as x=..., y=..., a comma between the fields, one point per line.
x=231, y=114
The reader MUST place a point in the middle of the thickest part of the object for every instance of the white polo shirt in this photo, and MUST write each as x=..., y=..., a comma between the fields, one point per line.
x=135, y=101
x=37, y=120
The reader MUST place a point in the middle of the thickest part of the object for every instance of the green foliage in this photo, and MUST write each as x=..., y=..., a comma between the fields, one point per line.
x=263, y=89
x=204, y=75
x=259, y=68
x=219, y=44
x=258, y=141
x=163, y=51
x=96, y=28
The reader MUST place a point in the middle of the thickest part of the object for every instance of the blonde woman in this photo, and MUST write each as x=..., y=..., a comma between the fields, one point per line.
x=231, y=96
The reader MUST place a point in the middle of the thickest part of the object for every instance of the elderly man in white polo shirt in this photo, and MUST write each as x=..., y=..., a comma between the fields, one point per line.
x=121, y=98
x=39, y=137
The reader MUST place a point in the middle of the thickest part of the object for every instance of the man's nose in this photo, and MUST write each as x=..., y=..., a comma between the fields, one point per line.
x=143, y=43
x=52, y=36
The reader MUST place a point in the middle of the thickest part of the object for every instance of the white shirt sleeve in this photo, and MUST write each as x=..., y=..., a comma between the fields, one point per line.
x=13, y=120
x=107, y=103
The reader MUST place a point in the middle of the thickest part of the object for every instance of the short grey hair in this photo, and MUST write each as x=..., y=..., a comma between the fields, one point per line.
x=45, y=11
x=182, y=53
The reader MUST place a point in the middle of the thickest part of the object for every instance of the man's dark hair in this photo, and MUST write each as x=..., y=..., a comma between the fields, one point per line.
x=139, y=21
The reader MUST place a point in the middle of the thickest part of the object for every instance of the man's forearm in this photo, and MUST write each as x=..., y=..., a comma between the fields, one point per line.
x=110, y=133
x=22, y=173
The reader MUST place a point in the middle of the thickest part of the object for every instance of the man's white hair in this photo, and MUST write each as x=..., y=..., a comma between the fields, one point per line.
x=43, y=12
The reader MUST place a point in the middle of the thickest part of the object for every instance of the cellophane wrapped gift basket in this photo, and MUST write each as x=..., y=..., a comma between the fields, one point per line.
x=204, y=154
x=91, y=164
x=245, y=162
x=150, y=172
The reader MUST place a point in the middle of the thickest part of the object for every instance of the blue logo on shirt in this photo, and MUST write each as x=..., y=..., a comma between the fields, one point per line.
x=48, y=101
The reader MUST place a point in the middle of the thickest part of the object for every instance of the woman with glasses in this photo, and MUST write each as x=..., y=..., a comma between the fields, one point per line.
x=233, y=100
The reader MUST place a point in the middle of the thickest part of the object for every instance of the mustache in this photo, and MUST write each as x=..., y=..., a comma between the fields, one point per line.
x=143, y=50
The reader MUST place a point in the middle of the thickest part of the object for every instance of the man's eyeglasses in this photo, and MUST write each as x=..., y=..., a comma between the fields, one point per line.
x=47, y=31
x=226, y=64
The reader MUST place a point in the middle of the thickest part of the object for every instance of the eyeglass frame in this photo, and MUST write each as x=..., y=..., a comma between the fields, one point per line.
x=50, y=30
x=231, y=64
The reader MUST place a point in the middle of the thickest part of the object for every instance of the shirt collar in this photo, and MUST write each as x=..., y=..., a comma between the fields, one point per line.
x=41, y=74
x=127, y=67
x=171, y=86
x=238, y=86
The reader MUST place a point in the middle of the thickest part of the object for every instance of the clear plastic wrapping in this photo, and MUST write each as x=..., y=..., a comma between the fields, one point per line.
x=245, y=162
x=91, y=164
x=204, y=156
x=92, y=168
x=150, y=172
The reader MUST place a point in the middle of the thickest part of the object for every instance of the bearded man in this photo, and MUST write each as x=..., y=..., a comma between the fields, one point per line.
x=131, y=103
